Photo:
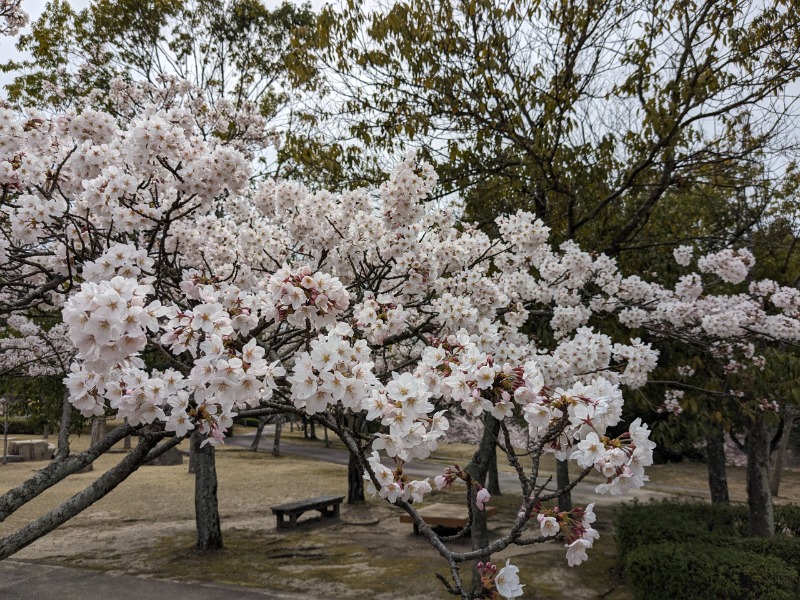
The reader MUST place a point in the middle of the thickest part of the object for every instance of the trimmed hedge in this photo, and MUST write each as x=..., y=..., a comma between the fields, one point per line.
x=692, y=571
x=21, y=425
x=656, y=522
x=679, y=550
x=784, y=547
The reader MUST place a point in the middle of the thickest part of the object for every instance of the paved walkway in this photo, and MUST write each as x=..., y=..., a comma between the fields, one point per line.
x=34, y=581
x=583, y=493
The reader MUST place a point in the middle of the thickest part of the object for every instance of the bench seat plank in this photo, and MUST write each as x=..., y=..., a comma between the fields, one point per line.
x=445, y=515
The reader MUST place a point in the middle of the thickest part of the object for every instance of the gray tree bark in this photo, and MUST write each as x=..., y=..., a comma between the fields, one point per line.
x=194, y=442
x=478, y=468
x=492, y=477
x=276, y=440
x=259, y=432
x=783, y=446
x=355, y=471
x=206, y=509
x=127, y=443
x=562, y=481
x=99, y=431
x=143, y=452
x=717, y=470
x=355, y=481
x=62, y=451
x=759, y=498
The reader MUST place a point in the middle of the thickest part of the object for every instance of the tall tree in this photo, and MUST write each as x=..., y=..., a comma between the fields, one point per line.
x=590, y=114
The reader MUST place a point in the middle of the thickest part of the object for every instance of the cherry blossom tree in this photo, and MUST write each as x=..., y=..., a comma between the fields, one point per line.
x=149, y=237
x=734, y=333
x=191, y=294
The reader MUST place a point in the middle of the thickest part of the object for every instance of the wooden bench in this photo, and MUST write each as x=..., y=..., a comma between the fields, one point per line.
x=454, y=516
x=328, y=506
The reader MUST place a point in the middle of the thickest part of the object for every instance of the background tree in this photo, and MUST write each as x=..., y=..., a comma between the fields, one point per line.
x=590, y=114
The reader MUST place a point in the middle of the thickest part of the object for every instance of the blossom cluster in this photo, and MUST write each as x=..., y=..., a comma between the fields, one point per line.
x=379, y=317
x=303, y=295
x=107, y=321
x=12, y=16
x=336, y=370
x=575, y=526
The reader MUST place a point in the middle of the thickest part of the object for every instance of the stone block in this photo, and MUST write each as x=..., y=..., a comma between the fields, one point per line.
x=171, y=457
x=31, y=450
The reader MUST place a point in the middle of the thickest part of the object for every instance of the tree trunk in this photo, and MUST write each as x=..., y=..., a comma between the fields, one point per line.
x=206, y=510
x=259, y=431
x=492, y=478
x=46, y=433
x=759, y=499
x=717, y=474
x=62, y=451
x=98, y=429
x=127, y=443
x=313, y=434
x=101, y=487
x=5, y=437
x=562, y=481
x=478, y=467
x=98, y=433
x=276, y=440
x=783, y=447
x=355, y=481
x=194, y=442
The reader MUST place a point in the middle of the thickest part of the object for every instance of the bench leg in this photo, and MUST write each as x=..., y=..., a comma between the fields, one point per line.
x=293, y=519
x=330, y=511
x=416, y=529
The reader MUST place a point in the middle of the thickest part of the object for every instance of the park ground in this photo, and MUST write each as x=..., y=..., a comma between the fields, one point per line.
x=145, y=527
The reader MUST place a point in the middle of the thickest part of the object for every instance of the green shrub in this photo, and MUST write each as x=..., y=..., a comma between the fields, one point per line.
x=656, y=522
x=787, y=519
x=692, y=571
x=783, y=547
x=22, y=425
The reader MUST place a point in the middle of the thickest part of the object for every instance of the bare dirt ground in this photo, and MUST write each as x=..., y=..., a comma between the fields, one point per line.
x=145, y=527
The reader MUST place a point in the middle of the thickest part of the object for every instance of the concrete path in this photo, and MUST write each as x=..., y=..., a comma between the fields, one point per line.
x=33, y=581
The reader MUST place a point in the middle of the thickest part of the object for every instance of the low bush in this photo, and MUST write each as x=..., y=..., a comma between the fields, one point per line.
x=690, y=550
x=693, y=571
x=21, y=425
x=656, y=522
x=787, y=519
x=784, y=547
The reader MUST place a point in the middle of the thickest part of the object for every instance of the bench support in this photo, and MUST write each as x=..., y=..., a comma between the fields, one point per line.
x=328, y=507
